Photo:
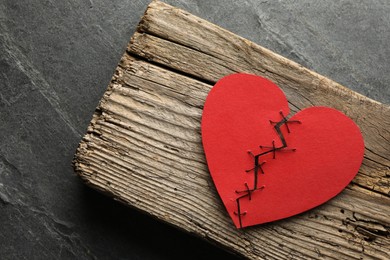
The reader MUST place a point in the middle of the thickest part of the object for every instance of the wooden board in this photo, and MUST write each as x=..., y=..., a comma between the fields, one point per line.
x=143, y=146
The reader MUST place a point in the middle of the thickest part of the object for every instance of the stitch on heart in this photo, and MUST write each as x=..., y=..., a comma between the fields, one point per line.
x=272, y=149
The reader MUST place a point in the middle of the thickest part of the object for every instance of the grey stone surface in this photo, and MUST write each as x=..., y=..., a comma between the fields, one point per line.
x=56, y=59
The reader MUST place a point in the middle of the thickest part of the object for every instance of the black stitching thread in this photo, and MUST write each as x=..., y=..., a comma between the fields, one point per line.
x=258, y=166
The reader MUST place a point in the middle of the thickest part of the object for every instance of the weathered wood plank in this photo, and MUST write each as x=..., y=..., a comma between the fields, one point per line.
x=143, y=146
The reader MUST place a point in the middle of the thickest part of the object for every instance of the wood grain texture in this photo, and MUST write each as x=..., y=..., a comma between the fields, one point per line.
x=143, y=146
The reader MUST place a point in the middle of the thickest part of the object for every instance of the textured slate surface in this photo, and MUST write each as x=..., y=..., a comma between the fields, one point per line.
x=56, y=58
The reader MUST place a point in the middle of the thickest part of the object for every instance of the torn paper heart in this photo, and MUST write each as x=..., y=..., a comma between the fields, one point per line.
x=267, y=167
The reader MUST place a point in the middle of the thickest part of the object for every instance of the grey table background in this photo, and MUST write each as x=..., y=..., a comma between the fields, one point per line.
x=56, y=59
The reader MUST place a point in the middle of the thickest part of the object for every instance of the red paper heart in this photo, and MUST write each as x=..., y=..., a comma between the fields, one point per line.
x=236, y=119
